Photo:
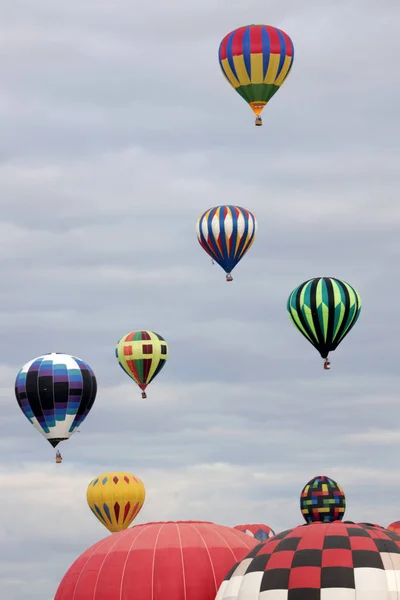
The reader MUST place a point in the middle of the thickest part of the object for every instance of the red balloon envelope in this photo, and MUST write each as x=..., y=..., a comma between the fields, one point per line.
x=395, y=526
x=260, y=531
x=183, y=560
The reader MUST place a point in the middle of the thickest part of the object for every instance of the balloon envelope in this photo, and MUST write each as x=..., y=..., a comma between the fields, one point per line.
x=322, y=499
x=256, y=60
x=183, y=560
x=226, y=233
x=340, y=560
x=56, y=392
x=258, y=531
x=324, y=310
x=374, y=525
x=395, y=526
x=142, y=354
x=116, y=499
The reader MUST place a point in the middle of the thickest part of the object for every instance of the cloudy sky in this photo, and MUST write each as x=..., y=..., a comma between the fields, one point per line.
x=117, y=131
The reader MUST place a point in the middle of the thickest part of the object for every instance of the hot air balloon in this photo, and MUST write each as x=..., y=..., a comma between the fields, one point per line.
x=256, y=60
x=182, y=560
x=340, y=560
x=116, y=499
x=142, y=355
x=256, y=530
x=395, y=526
x=371, y=525
x=56, y=392
x=324, y=310
x=226, y=233
x=322, y=499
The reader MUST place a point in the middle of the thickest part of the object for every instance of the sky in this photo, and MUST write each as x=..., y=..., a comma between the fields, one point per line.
x=118, y=130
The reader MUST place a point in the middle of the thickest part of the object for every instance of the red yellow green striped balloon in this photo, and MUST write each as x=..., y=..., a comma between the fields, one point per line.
x=256, y=60
x=142, y=355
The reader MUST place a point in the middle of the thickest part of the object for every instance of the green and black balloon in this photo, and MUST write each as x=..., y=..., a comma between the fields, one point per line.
x=324, y=310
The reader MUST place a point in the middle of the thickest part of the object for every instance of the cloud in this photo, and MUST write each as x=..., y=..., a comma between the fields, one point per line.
x=118, y=131
x=379, y=437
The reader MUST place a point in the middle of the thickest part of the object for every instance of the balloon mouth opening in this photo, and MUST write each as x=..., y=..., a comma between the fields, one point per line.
x=257, y=107
x=55, y=441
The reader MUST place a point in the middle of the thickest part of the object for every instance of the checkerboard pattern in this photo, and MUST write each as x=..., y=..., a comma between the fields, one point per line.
x=322, y=499
x=142, y=354
x=368, y=525
x=319, y=561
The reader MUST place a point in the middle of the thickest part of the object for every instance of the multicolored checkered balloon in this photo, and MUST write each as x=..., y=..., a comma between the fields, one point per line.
x=322, y=499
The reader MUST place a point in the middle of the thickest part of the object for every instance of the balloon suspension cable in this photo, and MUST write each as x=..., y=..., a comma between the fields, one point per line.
x=229, y=277
x=144, y=395
x=212, y=262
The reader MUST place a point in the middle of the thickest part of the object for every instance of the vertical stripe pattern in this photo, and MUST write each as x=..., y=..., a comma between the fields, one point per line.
x=226, y=233
x=324, y=310
x=157, y=561
x=56, y=392
x=256, y=60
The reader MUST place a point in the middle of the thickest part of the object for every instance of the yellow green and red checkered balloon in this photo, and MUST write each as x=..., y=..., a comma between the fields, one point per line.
x=142, y=355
